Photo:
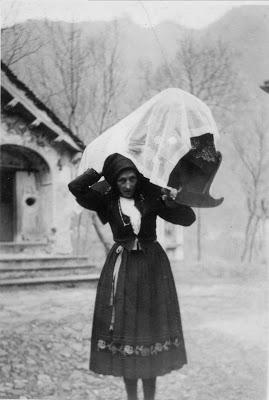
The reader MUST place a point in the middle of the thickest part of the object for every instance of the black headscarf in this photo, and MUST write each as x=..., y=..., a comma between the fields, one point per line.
x=114, y=165
x=117, y=163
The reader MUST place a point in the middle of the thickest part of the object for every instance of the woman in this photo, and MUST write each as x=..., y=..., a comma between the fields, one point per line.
x=137, y=330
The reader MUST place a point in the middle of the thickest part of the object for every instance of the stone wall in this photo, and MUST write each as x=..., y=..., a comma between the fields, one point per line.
x=60, y=206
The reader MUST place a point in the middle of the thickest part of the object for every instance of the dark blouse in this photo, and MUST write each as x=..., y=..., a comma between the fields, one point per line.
x=148, y=201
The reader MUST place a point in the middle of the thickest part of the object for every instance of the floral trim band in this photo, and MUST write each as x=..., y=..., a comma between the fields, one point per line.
x=128, y=350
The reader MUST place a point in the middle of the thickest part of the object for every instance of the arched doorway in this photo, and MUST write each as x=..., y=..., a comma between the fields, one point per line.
x=25, y=195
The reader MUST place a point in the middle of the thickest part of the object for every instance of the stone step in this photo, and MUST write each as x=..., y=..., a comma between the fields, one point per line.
x=45, y=271
x=19, y=247
x=42, y=266
x=70, y=279
x=34, y=261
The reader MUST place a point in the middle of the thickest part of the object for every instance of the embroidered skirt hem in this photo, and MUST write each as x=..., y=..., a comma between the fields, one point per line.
x=137, y=367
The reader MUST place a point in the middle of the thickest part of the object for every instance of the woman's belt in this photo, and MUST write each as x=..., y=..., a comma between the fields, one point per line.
x=130, y=244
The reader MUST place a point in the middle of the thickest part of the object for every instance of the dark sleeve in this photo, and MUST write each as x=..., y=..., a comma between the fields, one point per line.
x=175, y=213
x=88, y=197
x=168, y=209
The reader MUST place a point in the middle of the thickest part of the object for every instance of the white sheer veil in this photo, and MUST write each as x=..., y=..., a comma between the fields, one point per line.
x=154, y=136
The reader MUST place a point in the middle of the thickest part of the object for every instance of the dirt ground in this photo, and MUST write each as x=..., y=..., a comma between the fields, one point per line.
x=45, y=341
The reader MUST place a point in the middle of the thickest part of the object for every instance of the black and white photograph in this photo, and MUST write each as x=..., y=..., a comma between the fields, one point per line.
x=134, y=200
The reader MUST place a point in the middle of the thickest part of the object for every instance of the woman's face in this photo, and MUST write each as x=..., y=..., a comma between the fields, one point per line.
x=126, y=182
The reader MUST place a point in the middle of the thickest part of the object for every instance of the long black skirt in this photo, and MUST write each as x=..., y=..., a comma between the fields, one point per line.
x=147, y=338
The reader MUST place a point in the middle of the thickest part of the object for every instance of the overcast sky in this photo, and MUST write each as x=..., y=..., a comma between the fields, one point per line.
x=195, y=14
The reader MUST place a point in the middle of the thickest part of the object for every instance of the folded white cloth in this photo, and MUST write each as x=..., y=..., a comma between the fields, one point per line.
x=128, y=208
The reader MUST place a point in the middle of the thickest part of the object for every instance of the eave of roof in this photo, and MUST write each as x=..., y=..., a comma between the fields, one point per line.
x=21, y=93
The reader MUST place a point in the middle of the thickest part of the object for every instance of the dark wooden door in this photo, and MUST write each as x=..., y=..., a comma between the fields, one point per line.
x=7, y=205
x=29, y=214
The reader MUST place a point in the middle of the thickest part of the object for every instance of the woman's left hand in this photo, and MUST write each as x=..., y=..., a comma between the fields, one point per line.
x=173, y=193
x=170, y=193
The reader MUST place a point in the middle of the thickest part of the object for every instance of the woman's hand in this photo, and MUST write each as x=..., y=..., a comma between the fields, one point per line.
x=170, y=193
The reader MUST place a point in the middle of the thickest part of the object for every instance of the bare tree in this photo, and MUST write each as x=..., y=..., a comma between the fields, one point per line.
x=148, y=86
x=107, y=83
x=18, y=41
x=60, y=74
x=252, y=150
x=205, y=69
x=81, y=81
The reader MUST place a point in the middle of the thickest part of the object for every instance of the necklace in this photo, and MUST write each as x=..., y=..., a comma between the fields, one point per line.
x=121, y=215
